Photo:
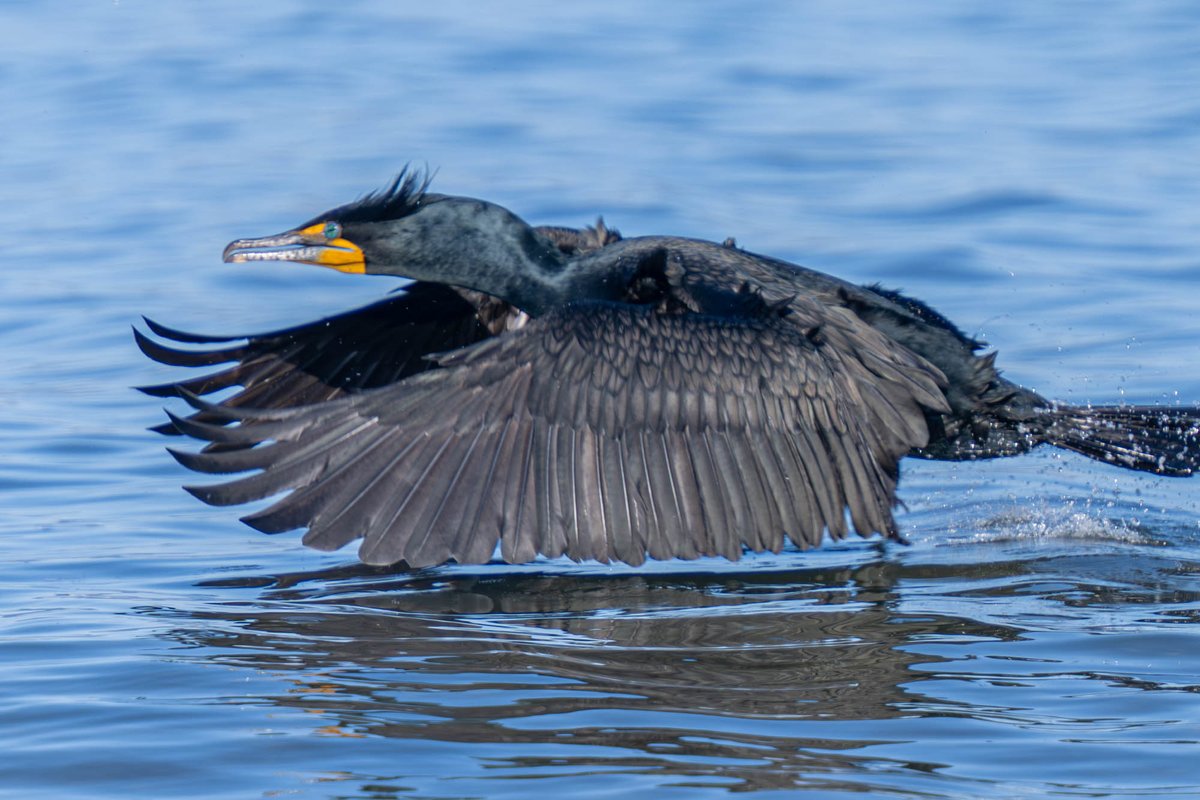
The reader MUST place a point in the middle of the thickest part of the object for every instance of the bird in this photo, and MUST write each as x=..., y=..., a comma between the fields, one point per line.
x=547, y=391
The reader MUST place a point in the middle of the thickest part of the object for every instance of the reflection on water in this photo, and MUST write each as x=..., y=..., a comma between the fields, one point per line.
x=746, y=680
x=543, y=659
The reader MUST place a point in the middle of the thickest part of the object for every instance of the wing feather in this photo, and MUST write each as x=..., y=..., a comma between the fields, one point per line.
x=706, y=435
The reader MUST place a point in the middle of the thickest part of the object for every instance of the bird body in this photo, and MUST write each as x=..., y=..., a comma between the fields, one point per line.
x=570, y=392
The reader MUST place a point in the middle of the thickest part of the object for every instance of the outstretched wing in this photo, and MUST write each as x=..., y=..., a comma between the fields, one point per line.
x=362, y=349
x=602, y=431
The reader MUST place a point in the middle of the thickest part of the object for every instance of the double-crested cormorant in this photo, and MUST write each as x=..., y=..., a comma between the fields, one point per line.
x=573, y=392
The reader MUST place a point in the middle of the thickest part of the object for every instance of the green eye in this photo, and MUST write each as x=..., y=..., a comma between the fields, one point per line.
x=332, y=230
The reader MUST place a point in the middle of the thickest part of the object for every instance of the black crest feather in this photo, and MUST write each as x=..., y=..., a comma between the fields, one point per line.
x=402, y=197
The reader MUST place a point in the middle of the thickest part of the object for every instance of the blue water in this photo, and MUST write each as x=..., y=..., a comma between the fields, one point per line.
x=1029, y=169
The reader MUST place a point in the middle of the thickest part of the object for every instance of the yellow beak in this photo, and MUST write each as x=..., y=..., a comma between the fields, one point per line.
x=306, y=246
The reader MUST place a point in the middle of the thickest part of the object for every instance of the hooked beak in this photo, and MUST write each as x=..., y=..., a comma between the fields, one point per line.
x=307, y=246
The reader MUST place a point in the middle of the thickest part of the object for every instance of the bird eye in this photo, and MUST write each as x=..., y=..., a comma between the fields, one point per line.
x=332, y=230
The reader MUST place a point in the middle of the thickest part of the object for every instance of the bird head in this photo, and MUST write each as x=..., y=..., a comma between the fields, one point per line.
x=408, y=232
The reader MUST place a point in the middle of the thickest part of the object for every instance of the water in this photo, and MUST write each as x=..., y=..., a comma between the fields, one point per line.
x=1029, y=169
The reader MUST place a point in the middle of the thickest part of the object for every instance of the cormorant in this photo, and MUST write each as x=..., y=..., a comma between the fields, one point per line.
x=565, y=392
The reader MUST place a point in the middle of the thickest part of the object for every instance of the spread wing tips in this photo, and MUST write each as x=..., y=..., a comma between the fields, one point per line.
x=175, y=357
x=176, y=335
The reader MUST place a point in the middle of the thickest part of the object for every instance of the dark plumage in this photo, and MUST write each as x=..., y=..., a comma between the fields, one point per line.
x=571, y=392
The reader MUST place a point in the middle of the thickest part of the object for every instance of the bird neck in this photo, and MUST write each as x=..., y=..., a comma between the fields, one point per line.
x=481, y=246
x=517, y=265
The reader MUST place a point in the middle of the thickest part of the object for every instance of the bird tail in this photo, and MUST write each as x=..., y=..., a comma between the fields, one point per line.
x=1162, y=440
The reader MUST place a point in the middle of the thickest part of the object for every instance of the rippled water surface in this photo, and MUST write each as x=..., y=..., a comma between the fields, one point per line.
x=1029, y=169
